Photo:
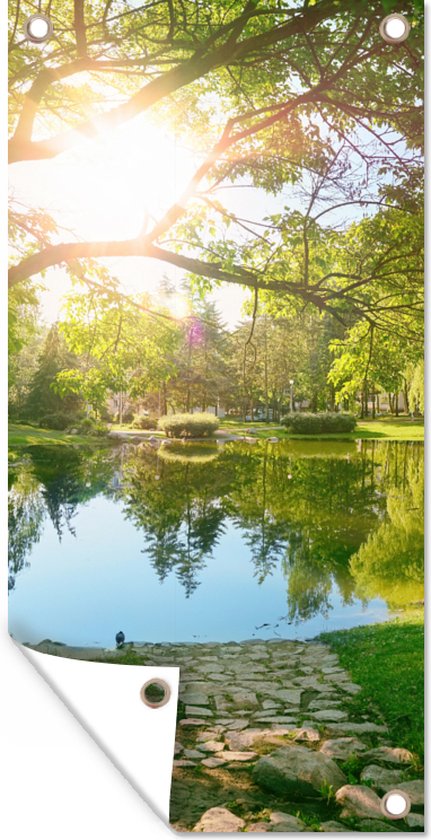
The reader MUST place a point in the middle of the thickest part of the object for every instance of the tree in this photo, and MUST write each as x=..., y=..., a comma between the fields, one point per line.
x=43, y=399
x=119, y=344
x=310, y=103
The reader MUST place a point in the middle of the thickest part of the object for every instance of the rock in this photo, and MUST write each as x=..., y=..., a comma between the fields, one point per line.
x=209, y=734
x=213, y=762
x=330, y=715
x=178, y=748
x=258, y=827
x=390, y=755
x=198, y=710
x=350, y=688
x=244, y=699
x=381, y=778
x=184, y=762
x=195, y=699
x=415, y=820
x=192, y=722
x=286, y=822
x=332, y=825
x=358, y=801
x=288, y=696
x=212, y=746
x=230, y=755
x=342, y=748
x=219, y=819
x=192, y=754
x=269, y=704
x=238, y=724
x=415, y=791
x=296, y=772
x=347, y=728
x=242, y=740
x=305, y=734
x=275, y=719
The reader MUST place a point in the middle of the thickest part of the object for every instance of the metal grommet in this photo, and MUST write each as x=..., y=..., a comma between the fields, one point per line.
x=155, y=693
x=394, y=28
x=38, y=28
x=395, y=804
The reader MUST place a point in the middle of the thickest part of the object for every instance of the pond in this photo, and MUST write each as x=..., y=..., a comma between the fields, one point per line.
x=212, y=542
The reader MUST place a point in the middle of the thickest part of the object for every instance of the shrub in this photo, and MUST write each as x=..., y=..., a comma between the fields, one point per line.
x=314, y=424
x=57, y=420
x=144, y=421
x=188, y=425
x=91, y=426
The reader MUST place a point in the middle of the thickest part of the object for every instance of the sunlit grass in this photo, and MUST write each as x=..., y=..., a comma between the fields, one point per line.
x=21, y=435
x=388, y=428
x=387, y=660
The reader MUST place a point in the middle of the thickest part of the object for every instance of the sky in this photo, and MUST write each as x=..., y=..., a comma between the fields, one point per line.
x=103, y=189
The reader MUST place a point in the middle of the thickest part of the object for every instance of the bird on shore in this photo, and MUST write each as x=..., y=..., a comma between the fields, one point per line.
x=120, y=639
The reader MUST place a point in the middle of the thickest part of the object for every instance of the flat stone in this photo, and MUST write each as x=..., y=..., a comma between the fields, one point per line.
x=286, y=822
x=237, y=725
x=212, y=746
x=390, y=755
x=219, y=819
x=209, y=734
x=258, y=827
x=347, y=728
x=332, y=825
x=305, y=734
x=274, y=719
x=330, y=715
x=217, y=677
x=342, y=748
x=381, y=778
x=192, y=722
x=358, y=801
x=178, y=747
x=198, y=710
x=323, y=703
x=184, y=762
x=269, y=704
x=415, y=791
x=350, y=688
x=192, y=754
x=244, y=699
x=195, y=699
x=288, y=695
x=230, y=755
x=242, y=740
x=297, y=772
x=213, y=762
x=415, y=820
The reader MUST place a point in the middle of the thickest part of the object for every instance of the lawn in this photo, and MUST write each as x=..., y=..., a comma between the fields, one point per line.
x=389, y=428
x=387, y=660
x=21, y=435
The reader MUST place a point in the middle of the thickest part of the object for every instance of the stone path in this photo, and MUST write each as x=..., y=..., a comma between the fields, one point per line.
x=268, y=740
x=269, y=723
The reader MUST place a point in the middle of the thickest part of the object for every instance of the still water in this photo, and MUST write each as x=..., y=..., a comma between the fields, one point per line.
x=207, y=542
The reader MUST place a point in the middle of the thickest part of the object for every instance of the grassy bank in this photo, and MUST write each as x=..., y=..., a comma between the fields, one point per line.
x=21, y=435
x=387, y=660
x=389, y=428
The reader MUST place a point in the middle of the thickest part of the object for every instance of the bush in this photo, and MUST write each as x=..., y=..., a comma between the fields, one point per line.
x=144, y=421
x=314, y=424
x=91, y=426
x=57, y=420
x=188, y=425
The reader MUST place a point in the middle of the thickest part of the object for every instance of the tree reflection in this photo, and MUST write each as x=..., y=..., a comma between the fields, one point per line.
x=328, y=514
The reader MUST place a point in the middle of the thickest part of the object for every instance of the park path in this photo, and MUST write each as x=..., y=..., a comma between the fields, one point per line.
x=271, y=737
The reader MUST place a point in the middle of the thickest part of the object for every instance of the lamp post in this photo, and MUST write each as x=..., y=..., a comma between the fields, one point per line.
x=291, y=382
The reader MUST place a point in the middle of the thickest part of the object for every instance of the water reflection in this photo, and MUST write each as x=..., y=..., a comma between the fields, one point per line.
x=323, y=514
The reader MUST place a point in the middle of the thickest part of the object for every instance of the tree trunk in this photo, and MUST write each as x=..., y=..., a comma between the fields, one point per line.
x=396, y=405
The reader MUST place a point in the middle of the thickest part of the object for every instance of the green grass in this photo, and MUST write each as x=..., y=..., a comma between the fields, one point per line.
x=21, y=435
x=389, y=428
x=387, y=660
